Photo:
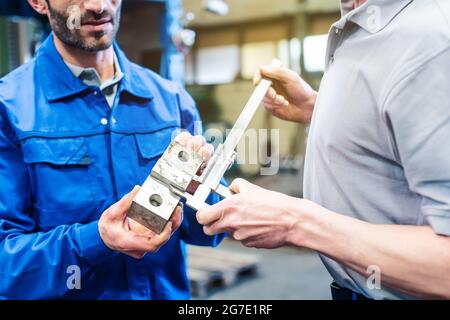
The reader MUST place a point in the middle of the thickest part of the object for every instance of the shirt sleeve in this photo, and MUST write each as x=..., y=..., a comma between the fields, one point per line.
x=34, y=264
x=191, y=230
x=417, y=111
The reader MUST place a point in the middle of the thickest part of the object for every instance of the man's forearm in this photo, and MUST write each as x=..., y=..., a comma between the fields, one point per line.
x=412, y=259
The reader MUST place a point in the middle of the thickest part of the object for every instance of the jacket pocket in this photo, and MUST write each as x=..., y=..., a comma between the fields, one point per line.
x=151, y=147
x=61, y=180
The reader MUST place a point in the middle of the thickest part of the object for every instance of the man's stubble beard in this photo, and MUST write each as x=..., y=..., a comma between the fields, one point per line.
x=73, y=38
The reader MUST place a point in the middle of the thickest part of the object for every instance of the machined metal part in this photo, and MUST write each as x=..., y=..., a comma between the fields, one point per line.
x=177, y=170
x=153, y=205
x=162, y=190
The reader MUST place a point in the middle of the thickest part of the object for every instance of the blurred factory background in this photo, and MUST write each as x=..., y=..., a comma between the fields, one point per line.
x=213, y=47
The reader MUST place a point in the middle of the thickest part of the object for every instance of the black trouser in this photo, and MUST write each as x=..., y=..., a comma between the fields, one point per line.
x=340, y=293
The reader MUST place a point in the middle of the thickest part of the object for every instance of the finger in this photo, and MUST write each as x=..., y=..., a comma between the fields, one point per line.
x=269, y=100
x=206, y=151
x=177, y=218
x=273, y=98
x=270, y=107
x=120, y=208
x=238, y=235
x=257, y=77
x=280, y=100
x=195, y=143
x=138, y=228
x=259, y=73
x=209, y=215
x=273, y=107
x=164, y=236
x=152, y=243
x=183, y=138
x=281, y=74
x=240, y=185
x=215, y=228
x=274, y=102
x=271, y=94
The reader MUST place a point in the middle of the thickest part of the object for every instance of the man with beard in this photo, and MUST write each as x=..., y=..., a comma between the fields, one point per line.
x=80, y=125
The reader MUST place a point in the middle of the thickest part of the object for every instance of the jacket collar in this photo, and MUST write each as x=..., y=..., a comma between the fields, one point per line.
x=59, y=82
x=373, y=16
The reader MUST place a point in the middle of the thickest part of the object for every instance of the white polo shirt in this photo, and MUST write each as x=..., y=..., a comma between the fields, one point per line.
x=379, y=143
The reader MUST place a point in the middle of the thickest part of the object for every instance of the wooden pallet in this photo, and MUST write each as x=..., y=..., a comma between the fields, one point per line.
x=210, y=268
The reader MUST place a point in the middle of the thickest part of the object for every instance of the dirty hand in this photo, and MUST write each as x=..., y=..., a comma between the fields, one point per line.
x=119, y=233
x=195, y=143
x=257, y=217
x=290, y=97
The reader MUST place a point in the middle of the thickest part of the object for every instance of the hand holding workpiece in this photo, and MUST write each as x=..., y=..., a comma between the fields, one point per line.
x=119, y=235
x=123, y=234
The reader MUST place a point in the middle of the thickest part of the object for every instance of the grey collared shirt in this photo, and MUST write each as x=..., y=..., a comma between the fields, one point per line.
x=91, y=77
x=379, y=142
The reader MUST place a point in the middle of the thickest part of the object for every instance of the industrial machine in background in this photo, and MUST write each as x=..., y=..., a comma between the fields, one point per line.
x=19, y=40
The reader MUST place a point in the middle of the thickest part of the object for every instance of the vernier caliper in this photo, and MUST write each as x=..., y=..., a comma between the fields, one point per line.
x=178, y=169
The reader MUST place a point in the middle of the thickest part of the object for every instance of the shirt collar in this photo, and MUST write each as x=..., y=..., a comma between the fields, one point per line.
x=373, y=16
x=59, y=82
x=77, y=70
x=90, y=76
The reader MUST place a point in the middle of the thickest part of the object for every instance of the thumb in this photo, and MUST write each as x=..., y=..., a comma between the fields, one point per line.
x=120, y=208
x=277, y=72
x=240, y=185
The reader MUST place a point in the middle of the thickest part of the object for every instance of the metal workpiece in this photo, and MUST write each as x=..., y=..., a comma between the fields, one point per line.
x=161, y=192
x=178, y=166
x=176, y=174
x=153, y=205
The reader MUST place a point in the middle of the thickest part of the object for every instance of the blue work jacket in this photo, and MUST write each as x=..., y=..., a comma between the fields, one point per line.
x=65, y=157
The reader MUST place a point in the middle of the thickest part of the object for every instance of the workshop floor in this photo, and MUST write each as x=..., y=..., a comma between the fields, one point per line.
x=285, y=273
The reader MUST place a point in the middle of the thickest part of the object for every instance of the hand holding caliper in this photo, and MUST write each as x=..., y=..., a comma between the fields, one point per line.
x=177, y=170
